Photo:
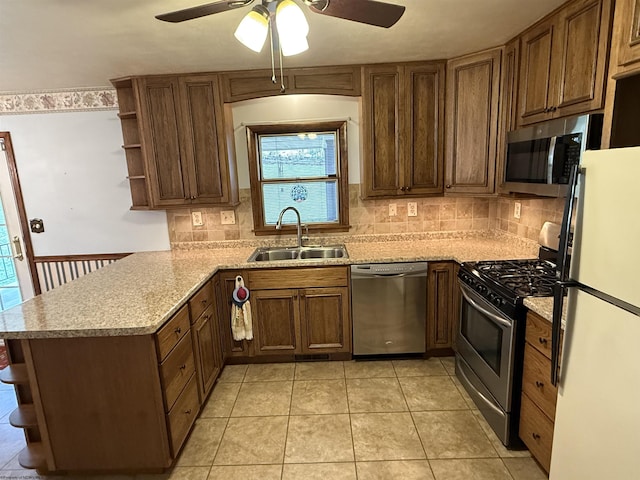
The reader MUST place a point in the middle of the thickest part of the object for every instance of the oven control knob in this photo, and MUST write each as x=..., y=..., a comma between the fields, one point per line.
x=498, y=301
x=481, y=288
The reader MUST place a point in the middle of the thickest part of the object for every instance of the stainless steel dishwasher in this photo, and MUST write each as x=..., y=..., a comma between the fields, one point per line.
x=389, y=308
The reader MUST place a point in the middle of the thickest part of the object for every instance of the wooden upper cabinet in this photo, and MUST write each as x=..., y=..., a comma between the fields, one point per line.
x=473, y=94
x=564, y=62
x=204, y=139
x=188, y=156
x=244, y=85
x=167, y=174
x=403, y=114
x=628, y=32
x=508, y=105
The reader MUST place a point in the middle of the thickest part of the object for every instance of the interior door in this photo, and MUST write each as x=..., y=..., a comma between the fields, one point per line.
x=16, y=284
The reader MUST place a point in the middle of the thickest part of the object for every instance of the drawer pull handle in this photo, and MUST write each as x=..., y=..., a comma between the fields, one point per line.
x=178, y=330
x=542, y=340
x=535, y=436
x=183, y=366
x=204, y=302
x=187, y=412
x=539, y=384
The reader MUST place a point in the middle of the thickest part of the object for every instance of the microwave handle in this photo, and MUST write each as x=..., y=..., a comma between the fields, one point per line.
x=552, y=152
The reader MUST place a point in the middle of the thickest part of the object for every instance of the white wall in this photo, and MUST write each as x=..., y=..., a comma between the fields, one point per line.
x=297, y=108
x=73, y=176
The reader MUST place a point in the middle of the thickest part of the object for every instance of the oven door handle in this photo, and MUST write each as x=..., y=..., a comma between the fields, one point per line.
x=488, y=402
x=493, y=316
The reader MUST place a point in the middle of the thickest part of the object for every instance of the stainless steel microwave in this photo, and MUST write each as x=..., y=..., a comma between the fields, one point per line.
x=539, y=158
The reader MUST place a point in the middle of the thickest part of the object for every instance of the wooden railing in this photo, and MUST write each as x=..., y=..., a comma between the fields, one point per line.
x=57, y=270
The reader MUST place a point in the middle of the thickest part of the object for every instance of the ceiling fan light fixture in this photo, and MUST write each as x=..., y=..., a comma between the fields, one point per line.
x=254, y=28
x=293, y=45
x=293, y=28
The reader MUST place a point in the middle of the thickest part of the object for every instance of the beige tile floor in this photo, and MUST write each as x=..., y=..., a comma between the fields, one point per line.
x=405, y=419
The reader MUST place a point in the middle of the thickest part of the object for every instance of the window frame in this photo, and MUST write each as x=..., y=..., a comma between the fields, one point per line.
x=342, y=174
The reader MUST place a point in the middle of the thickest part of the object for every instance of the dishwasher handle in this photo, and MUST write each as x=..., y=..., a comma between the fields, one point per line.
x=418, y=269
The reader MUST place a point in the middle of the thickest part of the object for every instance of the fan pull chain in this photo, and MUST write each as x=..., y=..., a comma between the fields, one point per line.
x=282, y=88
x=273, y=66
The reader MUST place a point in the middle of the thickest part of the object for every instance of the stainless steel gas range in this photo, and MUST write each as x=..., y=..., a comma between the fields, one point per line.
x=490, y=338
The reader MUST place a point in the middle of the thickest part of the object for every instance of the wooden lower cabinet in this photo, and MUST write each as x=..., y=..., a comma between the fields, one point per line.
x=120, y=403
x=538, y=409
x=440, y=307
x=324, y=320
x=311, y=320
x=275, y=314
x=443, y=307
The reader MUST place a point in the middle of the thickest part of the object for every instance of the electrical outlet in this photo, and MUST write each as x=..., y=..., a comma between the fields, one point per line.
x=412, y=209
x=516, y=210
x=228, y=217
x=196, y=219
x=393, y=210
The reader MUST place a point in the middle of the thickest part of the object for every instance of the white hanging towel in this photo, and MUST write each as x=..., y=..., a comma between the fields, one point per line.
x=241, y=323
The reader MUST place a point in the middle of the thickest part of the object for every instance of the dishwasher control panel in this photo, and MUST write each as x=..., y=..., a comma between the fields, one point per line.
x=389, y=268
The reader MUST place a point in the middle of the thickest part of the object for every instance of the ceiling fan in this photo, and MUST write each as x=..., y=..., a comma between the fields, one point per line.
x=371, y=12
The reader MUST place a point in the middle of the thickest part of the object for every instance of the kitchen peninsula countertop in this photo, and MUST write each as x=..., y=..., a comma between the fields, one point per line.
x=137, y=294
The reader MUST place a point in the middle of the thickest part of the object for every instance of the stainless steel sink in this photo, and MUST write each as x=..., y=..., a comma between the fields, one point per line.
x=272, y=254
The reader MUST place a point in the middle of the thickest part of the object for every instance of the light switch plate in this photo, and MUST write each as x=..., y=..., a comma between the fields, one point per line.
x=412, y=209
x=196, y=219
x=393, y=209
x=228, y=217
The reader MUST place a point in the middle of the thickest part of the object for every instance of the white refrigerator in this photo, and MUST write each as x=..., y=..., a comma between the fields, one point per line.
x=597, y=425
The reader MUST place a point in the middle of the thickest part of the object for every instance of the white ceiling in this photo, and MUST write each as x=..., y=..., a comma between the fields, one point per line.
x=56, y=44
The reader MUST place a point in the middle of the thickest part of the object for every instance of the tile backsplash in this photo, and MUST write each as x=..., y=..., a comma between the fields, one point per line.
x=435, y=214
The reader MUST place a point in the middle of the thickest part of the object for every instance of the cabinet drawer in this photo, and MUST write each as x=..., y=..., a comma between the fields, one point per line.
x=183, y=414
x=536, y=383
x=539, y=333
x=200, y=301
x=536, y=431
x=299, y=278
x=177, y=369
x=172, y=332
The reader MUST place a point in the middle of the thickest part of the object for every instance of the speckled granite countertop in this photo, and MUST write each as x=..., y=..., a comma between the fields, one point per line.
x=543, y=306
x=137, y=294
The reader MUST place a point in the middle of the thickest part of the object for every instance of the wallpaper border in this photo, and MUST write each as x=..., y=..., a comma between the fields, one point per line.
x=55, y=101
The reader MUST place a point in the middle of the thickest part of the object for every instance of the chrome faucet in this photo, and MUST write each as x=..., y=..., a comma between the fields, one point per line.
x=298, y=224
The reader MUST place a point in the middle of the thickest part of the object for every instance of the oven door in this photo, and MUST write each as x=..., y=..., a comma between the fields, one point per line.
x=486, y=339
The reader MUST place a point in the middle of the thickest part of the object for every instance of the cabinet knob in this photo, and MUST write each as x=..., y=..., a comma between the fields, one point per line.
x=204, y=302
x=408, y=189
x=178, y=331
x=447, y=186
x=183, y=366
x=539, y=384
x=542, y=340
x=187, y=412
x=402, y=189
x=535, y=436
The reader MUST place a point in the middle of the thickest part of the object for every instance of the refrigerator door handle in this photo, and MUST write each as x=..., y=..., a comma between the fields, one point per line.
x=562, y=273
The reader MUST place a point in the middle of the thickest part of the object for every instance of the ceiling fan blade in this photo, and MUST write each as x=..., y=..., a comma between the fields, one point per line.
x=202, y=10
x=371, y=12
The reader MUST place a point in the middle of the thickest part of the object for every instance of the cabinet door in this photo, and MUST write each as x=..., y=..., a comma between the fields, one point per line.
x=440, y=302
x=168, y=176
x=473, y=94
x=537, y=87
x=205, y=347
x=324, y=320
x=202, y=127
x=629, y=41
x=509, y=104
x=275, y=321
x=581, y=56
x=381, y=124
x=230, y=347
x=423, y=133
